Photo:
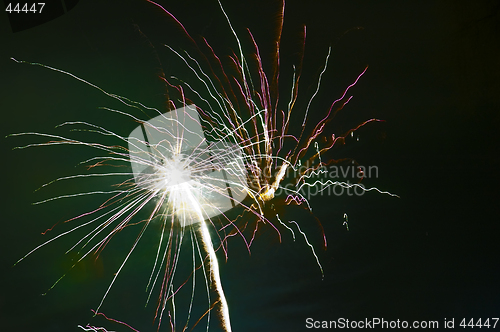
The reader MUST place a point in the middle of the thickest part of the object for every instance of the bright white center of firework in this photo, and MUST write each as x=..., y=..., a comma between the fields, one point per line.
x=182, y=191
x=175, y=172
x=197, y=179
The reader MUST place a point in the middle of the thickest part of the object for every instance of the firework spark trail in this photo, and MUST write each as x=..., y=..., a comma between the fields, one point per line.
x=133, y=203
x=263, y=171
x=89, y=327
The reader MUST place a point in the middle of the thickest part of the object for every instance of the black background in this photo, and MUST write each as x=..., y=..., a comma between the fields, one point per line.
x=433, y=76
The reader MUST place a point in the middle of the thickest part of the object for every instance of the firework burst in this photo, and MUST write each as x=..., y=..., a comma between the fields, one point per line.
x=225, y=146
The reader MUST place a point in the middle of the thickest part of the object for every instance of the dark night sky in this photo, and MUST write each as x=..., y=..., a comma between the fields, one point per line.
x=433, y=77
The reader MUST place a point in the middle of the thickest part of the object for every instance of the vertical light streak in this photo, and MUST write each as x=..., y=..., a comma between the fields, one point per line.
x=215, y=276
x=213, y=262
